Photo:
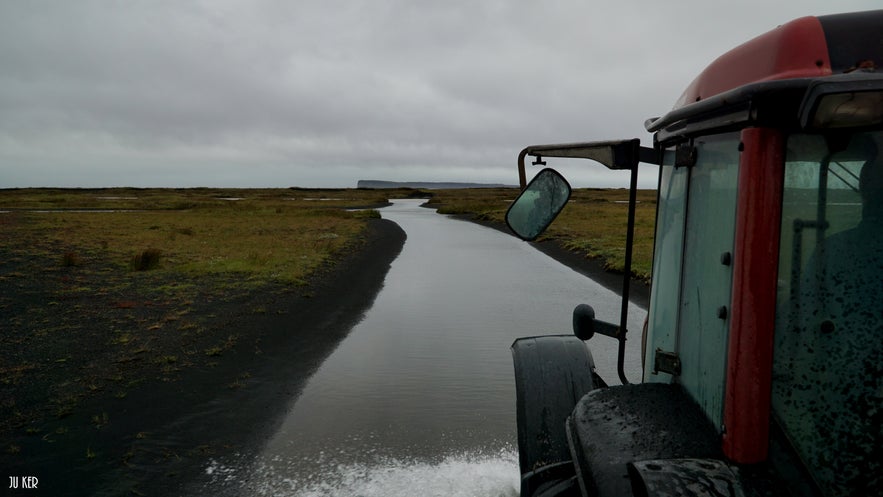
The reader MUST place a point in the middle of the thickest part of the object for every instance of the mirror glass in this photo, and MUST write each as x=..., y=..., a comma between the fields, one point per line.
x=538, y=205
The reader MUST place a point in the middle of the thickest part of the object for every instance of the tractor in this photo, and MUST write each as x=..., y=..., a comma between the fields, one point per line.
x=763, y=344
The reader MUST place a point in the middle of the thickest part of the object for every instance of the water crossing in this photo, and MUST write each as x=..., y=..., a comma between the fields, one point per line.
x=419, y=398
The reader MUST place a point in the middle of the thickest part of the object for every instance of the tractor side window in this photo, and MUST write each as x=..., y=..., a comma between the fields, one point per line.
x=828, y=362
x=706, y=283
x=667, y=260
x=696, y=221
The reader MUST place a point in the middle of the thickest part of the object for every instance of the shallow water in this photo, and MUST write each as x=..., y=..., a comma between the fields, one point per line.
x=419, y=398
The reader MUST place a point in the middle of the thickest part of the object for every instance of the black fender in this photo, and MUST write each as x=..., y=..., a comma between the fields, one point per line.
x=615, y=426
x=552, y=373
x=685, y=478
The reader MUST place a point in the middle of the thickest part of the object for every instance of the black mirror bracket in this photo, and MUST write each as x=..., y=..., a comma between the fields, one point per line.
x=685, y=155
x=616, y=155
x=627, y=273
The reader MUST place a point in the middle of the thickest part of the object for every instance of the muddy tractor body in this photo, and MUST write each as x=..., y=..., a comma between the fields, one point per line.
x=763, y=346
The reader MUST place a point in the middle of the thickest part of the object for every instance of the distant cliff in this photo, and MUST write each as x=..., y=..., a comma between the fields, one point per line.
x=426, y=185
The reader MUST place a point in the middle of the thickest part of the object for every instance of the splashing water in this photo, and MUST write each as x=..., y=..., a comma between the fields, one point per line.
x=494, y=475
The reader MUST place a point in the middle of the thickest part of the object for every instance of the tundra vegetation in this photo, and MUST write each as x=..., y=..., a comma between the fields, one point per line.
x=592, y=224
x=104, y=291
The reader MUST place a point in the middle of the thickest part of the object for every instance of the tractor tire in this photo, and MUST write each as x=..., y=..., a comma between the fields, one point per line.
x=552, y=373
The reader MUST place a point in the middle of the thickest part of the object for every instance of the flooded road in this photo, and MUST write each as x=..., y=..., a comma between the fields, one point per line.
x=419, y=398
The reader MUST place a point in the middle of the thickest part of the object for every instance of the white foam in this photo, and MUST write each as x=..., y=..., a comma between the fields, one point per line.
x=463, y=475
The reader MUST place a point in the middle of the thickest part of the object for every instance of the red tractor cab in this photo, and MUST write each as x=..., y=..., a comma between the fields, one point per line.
x=763, y=356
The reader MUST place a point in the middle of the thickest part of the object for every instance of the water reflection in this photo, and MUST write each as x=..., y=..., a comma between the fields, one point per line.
x=427, y=376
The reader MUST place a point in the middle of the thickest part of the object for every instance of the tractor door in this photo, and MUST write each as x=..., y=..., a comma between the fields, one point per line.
x=692, y=278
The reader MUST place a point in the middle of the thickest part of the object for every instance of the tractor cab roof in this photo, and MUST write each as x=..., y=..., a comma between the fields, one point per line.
x=765, y=80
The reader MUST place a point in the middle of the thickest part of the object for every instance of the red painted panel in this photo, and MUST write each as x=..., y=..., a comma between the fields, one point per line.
x=755, y=264
x=793, y=50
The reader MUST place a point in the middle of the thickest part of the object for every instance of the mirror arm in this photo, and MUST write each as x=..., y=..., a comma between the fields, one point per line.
x=632, y=154
x=649, y=155
x=627, y=273
x=522, y=175
x=623, y=154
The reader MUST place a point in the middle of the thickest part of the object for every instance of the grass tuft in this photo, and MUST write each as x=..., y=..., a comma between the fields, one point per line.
x=146, y=260
x=71, y=259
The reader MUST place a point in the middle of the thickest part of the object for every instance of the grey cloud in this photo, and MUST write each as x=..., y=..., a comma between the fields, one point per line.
x=323, y=93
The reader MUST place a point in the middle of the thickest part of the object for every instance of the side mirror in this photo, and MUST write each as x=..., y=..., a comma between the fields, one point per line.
x=585, y=325
x=538, y=205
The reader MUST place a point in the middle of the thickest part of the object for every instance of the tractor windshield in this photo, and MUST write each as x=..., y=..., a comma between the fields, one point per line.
x=828, y=373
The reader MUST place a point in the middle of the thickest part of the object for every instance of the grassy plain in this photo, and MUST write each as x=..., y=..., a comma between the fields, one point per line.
x=106, y=295
x=104, y=290
x=261, y=234
x=593, y=223
x=144, y=265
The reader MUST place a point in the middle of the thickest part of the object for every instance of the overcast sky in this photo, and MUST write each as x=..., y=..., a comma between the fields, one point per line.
x=322, y=93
